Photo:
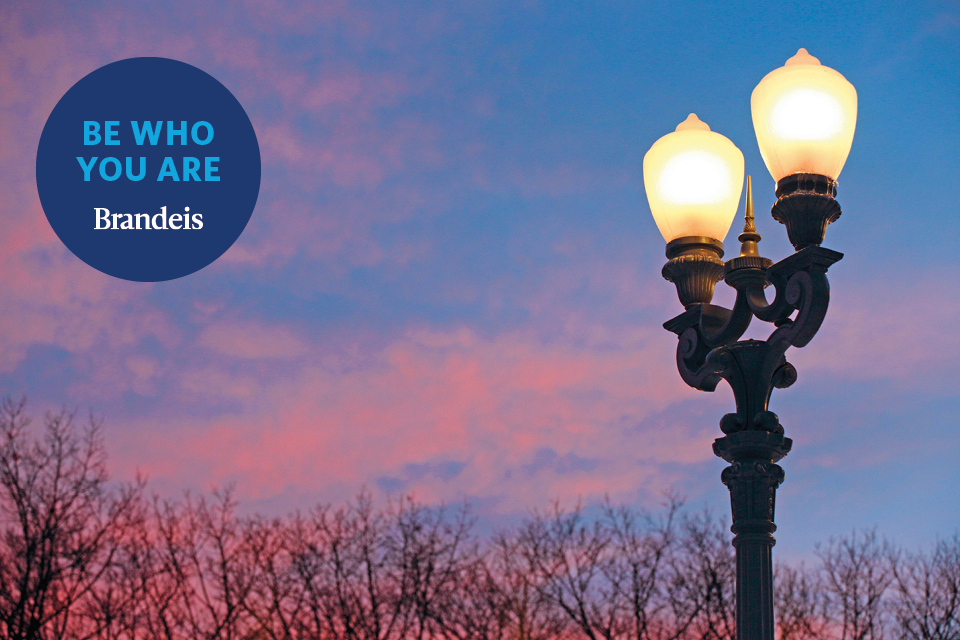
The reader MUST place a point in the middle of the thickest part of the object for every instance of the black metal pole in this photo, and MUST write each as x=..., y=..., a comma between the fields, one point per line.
x=753, y=478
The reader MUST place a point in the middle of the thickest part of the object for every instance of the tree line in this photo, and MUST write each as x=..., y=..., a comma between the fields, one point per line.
x=83, y=558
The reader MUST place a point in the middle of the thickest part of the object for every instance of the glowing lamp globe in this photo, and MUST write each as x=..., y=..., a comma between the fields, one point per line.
x=693, y=178
x=804, y=115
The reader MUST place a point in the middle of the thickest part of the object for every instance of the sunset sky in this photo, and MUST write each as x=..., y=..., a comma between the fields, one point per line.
x=451, y=283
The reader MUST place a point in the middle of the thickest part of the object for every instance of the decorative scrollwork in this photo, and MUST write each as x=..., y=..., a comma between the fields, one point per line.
x=709, y=348
x=785, y=376
x=692, y=354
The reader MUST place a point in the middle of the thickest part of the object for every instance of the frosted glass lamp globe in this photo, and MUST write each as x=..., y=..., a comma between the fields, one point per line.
x=804, y=115
x=693, y=178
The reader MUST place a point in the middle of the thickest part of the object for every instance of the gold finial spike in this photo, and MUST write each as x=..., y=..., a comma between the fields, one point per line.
x=749, y=238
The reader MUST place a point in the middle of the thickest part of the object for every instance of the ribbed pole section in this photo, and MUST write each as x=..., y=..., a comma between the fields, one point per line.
x=753, y=478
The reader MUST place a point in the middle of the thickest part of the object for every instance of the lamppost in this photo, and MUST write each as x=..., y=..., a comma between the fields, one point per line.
x=804, y=116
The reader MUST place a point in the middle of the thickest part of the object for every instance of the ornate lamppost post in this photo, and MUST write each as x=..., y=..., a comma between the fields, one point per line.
x=804, y=116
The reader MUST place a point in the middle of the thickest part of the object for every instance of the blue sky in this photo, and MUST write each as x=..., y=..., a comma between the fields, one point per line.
x=451, y=283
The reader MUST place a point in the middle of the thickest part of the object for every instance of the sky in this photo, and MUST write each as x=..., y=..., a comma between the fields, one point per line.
x=451, y=284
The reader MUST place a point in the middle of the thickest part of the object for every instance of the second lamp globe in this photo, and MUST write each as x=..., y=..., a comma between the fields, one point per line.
x=804, y=115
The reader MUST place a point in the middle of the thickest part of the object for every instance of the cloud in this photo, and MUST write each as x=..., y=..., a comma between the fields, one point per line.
x=250, y=340
x=52, y=300
x=439, y=413
x=430, y=296
x=897, y=329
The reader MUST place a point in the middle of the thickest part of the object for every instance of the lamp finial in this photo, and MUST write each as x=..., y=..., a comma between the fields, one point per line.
x=749, y=238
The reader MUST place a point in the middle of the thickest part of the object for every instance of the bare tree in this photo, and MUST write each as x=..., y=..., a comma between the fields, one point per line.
x=642, y=550
x=702, y=585
x=347, y=568
x=275, y=603
x=856, y=574
x=207, y=559
x=59, y=521
x=435, y=552
x=801, y=604
x=627, y=575
x=517, y=594
x=570, y=555
x=926, y=602
x=80, y=560
x=117, y=605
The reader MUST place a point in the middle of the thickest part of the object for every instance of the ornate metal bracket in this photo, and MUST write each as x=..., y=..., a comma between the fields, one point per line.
x=709, y=348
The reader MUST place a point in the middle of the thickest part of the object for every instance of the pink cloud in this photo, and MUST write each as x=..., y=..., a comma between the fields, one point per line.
x=487, y=406
x=250, y=340
x=356, y=90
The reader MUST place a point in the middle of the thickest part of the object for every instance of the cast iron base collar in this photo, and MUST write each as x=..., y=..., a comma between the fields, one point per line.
x=806, y=204
x=695, y=267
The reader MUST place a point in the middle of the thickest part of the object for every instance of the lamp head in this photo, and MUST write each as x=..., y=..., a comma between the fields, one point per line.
x=693, y=178
x=804, y=115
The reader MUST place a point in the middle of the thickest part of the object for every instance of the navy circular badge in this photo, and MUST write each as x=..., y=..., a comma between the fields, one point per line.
x=148, y=169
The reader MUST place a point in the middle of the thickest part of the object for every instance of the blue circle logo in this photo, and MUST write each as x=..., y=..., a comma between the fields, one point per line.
x=148, y=169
